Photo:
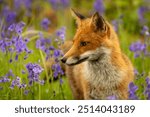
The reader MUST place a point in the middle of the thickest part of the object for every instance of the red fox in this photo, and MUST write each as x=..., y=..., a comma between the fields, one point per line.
x=96, y=66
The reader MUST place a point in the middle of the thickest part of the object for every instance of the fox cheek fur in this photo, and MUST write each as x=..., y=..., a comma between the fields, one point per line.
x=96, y=67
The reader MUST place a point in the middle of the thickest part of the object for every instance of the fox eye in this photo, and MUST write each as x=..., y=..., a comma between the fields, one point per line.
x=83, y=43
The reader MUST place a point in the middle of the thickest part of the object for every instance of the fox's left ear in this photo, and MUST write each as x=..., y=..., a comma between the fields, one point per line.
x=98, y=23
x=77, y=16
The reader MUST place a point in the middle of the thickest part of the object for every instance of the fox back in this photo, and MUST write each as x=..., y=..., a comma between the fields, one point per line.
x=96, y=66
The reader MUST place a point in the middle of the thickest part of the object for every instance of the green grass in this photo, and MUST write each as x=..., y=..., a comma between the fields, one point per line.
x=129, y=31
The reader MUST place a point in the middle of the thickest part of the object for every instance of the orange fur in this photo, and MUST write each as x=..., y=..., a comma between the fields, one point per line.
x=98, y=68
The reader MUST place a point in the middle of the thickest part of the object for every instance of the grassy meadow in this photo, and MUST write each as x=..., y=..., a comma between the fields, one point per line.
x=31, y=32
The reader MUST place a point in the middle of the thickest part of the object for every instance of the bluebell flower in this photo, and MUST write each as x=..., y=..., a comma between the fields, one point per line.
x=59, y=4
x=141, y=12
x=11, y=17
x=19, y=27
x=132, y=91
x=4, y=80
x=61, y=81
x=99, y=6
x=57, y=70
x=45, y=23
x=138, y=48
x=61, y=34
x=34, y=71
x=145, y=31
x=147, y=89
x=26, y=92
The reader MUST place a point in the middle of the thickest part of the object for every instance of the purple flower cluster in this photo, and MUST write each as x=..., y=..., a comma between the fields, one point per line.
x=61, y=35
x=45, y=23
x=132, y=91
x=19, y=3
x=8, y=15
x=99, y=6
x=45, y=45
x=138, y=48
x=57, y=70
x=7, y=77
x=145, y=31
x=17, y=82
x=147, y=90
x=141, y=12
x=34, y=71
x=59, y=4
x=13, y=42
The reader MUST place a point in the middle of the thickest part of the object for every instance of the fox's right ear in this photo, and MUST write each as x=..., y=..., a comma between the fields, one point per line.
x=77, y=16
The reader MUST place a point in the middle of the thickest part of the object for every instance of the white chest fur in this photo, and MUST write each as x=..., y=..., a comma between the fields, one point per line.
x=102, y=74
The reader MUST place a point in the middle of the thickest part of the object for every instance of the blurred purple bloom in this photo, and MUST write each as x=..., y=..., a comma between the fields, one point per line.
x=141, y=12
x=11, y=16
x=65, y=3
x=132, y=91
x=45, y=23
x=23, y=72
x=113, y=97
x=99, y=6
x=26, y=92
x=136, y=72
x=57, y=70
x=19, y=27
x=138, y=47
x=11, y=27
x=4, y=80
x=61, y=34
x=19, y=3
x=57, y=53
x=10, y=73
x=2, y=45
x=145, y=31
x=147, y=90
x=61, y=81
x=17, y=82
x=59, y=4
x=34, y=70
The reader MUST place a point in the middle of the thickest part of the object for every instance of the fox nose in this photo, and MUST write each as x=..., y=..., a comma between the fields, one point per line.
x=63, y=60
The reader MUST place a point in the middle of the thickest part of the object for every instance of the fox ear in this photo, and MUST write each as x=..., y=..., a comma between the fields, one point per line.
x=98, y=23
x=77, y=16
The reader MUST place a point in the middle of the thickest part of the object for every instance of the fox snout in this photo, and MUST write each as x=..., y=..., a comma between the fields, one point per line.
x=63, y=59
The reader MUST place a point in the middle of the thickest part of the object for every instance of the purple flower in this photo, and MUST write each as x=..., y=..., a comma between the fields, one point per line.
x=61, y=34
x=34, y=70
x=19, y=27
x=138, y=48
x=19, y=3
x=61, y=81
x=45, y=23
x=132, y=91
x=10, y=17
x=147, y=90
x=17, y=82
x=141, y=12
x=113, y=97
x=145, y=31
x=26, y=92
x=99, y=6
x=4, y=80
x=59, y=4
x=57, y=70
x=57, y=53
x=65, y=3
x=11, y=27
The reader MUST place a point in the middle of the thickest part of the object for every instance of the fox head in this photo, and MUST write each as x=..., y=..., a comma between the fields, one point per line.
x=91, y=41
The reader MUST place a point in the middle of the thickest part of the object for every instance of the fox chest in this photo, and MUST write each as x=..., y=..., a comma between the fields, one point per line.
x=103, y=79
